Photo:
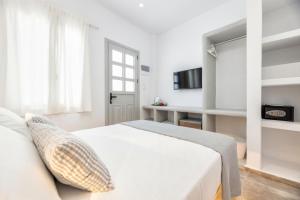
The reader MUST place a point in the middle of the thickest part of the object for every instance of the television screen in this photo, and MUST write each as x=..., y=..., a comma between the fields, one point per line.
x=189, y=79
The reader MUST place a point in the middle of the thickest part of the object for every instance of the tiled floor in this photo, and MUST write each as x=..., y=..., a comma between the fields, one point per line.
x=256, y=187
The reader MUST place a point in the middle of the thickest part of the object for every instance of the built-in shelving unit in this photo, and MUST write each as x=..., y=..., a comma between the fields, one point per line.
x=230, y=113
x=287, y=70
x=281, y=168
x=281, y=75
x=281, y=40
x=274, y=145
x=172, y=114
x=176, y=108
x=282, y=125
x=281, y=82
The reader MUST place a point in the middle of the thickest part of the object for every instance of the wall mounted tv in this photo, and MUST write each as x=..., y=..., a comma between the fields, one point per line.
x=189, y=79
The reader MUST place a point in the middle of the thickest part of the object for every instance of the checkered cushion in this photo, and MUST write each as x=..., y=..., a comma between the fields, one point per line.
x=69, y=159
x=33, y=118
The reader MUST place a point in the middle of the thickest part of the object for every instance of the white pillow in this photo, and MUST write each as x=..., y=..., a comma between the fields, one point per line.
x=14, y=122
x=22, y=173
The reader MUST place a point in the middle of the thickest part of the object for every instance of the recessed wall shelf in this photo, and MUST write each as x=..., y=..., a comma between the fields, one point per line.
x=230, y=113
x=281, y=71
x=171, y=114
x=281, y=168
x=176, y=108
x=282, y=125
x=281, y=40
x=281, y=82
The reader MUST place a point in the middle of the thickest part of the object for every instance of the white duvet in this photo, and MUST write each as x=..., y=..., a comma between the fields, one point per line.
x=149, y=166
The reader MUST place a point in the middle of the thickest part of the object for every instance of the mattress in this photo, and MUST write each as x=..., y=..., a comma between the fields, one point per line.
x=149, y=166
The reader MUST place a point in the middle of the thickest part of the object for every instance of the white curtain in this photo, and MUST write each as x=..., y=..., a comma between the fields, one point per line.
x=45, y=59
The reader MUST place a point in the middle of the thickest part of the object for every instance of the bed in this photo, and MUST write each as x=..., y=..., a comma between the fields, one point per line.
x=147, y=161
x=149, y=166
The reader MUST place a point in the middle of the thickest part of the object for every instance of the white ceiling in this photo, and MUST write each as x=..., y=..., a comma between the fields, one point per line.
x=160, y=15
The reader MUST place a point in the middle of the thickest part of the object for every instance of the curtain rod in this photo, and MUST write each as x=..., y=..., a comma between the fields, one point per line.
x=231, y=40
x=54, y=6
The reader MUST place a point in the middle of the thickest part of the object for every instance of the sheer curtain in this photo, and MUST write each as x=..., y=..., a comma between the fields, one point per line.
x=45, y=59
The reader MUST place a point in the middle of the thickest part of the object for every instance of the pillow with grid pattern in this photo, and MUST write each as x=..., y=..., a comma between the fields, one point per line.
x=34, y=118
x=69, y=159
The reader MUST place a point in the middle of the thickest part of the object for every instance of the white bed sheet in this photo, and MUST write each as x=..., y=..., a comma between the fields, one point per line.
x=149, y=166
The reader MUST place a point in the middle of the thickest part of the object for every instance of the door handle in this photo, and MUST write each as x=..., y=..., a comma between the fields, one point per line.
x=111, y=97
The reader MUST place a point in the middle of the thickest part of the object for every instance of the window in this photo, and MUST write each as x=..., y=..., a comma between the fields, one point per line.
x=122, y=70
x=117, y=56
x=129, y=60
x=117, y=71
x=46, y=61
x=129, y=73
x=130, y=86
x=117, y=85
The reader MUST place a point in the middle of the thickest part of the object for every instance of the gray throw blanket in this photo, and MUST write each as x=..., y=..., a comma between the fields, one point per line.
x=222, y=144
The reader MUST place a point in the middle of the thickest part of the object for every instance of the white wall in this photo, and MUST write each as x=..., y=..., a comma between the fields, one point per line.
x=181, y=48
x=115, y=28
x=2, y=53
x=231, y=87
x=281, y=19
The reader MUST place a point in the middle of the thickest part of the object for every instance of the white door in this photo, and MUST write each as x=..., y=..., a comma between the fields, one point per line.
x=123, y=84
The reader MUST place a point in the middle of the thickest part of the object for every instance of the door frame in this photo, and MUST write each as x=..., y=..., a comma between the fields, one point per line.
x=137, y=98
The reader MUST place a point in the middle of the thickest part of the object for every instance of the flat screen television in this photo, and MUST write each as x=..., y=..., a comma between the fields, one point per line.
x=189, y=79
